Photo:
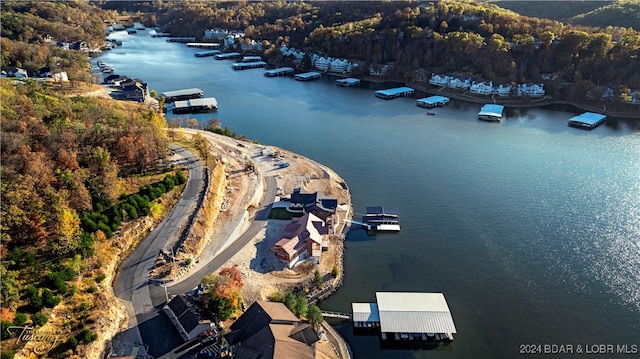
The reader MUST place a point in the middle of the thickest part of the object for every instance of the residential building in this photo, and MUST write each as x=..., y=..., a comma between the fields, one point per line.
x=535, y=90
x=504, y=90
x=439, y=80
x=268, y=330
x=482, y=88
x=302, y=239
x=14, y=72
x=186, y=317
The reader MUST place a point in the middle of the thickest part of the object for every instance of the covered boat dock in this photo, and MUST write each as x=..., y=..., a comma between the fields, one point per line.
x=348, y=82
x=248, y=65
x=407, y=317
x=307, y=76
x=228, y=56
x=394, y=92
x=204, y=45
x=178, y=95
x=206, y=53
x=433, y=101
x=588, y=120
x=280, y=71
x=382, y=218
x=196, y=105
x=491, y=112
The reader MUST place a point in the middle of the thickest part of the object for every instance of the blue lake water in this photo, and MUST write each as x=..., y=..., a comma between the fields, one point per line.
x=530, y=228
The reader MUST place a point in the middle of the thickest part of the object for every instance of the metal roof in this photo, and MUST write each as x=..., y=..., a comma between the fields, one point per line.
x=492, y=110
x=405, y=312
x=382, y=211
x=182, y=92
x=365, y=312
x=434, y=99
x=308, y=75
x=209, y=101
x=588, y=118
x=395, y=91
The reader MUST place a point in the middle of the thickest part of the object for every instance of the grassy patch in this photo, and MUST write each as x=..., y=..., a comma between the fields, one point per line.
x=282, y=213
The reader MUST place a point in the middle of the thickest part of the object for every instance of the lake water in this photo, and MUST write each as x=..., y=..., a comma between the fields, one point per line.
x=530, y=228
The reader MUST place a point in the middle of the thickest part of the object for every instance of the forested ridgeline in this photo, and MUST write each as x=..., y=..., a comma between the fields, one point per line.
x=70, y=178
x=475, y=38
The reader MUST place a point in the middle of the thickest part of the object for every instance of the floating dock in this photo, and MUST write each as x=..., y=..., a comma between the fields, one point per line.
x=433, y=101
x=196, y=105
x=588, y=120
x=204, y=45
x=186, y=94
x=380, y=218
x=248, y=65
x=280, y=71
x=348, y=82
x=491, y=112
x=392, y=93
x=228, y=56
x=406, y=318
x=206, y=53
x=307, y=76
x=161, y=34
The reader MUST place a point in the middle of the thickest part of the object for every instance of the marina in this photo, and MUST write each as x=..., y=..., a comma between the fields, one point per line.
x=348, y=82
x=206, y=53
x=432, y=101
x=196, y=105
x=248, y=65
x=307, y=76
x=280, y=71
x=380, y=218
x=392, y=93
x=491, y=113
x=588, y=120
x=228, y=56
x=178, y=95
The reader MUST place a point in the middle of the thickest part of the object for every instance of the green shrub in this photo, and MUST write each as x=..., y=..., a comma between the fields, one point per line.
x=19, y=319
x=100, y=277
x=91, y=289
x=40, y=319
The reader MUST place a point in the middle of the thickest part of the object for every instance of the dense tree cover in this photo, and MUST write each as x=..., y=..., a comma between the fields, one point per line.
x=622, y=13
x=481, y=39
x=62, y=159
x=27, y=24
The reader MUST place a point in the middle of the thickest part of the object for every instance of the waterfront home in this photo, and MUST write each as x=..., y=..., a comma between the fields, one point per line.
x=535, y=90
x=135, y=91
x=504, y=90
x=301, y=240
x=301, y=202
x=17, y=72
x=482, y=88
x=405, y=317
x=217, y=34
x=186, y=317
x=439, y=80
x=270, y=330
x=457, y=83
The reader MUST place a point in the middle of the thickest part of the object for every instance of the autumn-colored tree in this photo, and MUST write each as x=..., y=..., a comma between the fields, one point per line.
x=222, y=292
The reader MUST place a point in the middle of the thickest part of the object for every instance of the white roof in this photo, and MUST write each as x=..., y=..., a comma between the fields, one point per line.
x=588, y=118
x=434, y=99
x=491, y=110
x=209, y=101
x=182, y=92
x=404, y=312
x=365, y=312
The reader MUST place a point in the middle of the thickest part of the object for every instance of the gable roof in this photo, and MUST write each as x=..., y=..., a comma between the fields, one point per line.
x=269, y=330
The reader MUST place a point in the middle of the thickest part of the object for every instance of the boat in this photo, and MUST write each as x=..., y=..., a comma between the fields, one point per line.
x=431, y=113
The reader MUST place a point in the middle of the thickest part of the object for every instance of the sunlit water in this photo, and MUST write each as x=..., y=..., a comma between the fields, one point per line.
x=530, y=228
